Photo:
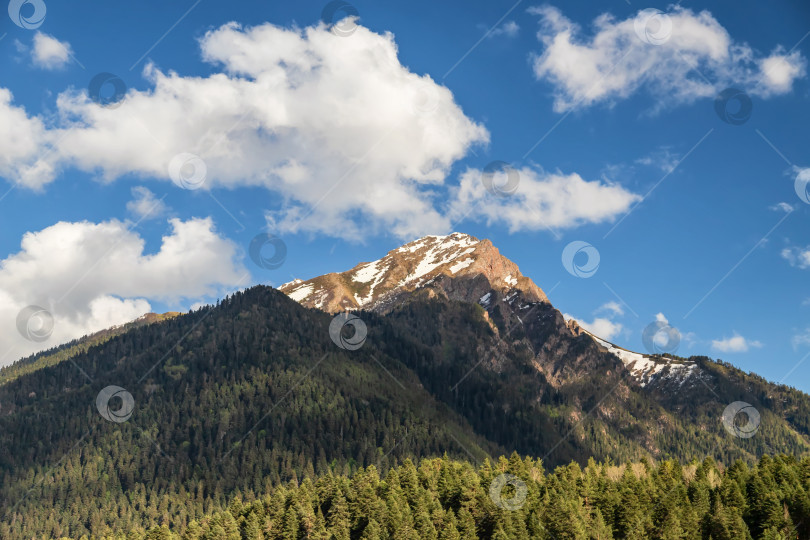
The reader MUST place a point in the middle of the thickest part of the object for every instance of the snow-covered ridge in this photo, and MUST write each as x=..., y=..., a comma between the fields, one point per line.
x=437, y=256
x=645, y=368
x=435, y=262
x=300, y=293
x=451, y=240
x=289, y=283
x=461, y=265
x=423, y=257
x=367, y=273
x=440, y=251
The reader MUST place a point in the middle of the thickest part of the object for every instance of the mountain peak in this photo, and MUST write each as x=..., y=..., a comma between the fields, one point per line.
x=461, y=266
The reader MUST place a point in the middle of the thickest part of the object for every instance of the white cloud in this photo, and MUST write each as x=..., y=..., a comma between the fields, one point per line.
x=336, y=126
x=50, y=53
x=799, y=257
x=660, y=159
x=801, y=339
x=603, y=327
x=145, y=205
x=734, y=344
x=90, y=276
x=780, y=71
x=20, y=47
x=689, y=339
x=782, y=207
x=600, y=326
x=509, y=29
x=613, y=307
x=197, y=305
x=21, y=139
x=542, y=200
x=352, y=141
x=615, y=62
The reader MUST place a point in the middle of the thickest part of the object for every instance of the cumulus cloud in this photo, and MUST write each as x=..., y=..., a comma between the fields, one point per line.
x=798, y=257
x=20, y=47
x=50, y=53
x=352, y=141
x=90, y=276
x=612, y=307
x=22, y=140
x=336, y=126
x=782, y=207
x=145, y=205
x=508, y=29
x=689, y=339
x=802, y=339
x=693, y=58
x=734, y=344
x=604, y=327
x=542, y=200
x=661, y=159
x=600, y=326
x=779, y=71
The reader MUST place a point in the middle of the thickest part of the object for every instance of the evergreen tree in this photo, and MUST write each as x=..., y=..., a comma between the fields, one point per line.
x=338, y=522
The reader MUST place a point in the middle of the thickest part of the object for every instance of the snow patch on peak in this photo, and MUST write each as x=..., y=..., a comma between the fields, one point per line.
x=321, y=299
x=437, y=256
x=301, y=292
x=432, y=259
x=293, y=282
x=414, y=246
x=461, y=265
x=644, y=368
x=450, y=240
x=366, y=273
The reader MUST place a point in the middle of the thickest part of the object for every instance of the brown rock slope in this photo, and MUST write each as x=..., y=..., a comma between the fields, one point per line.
x=457, y=266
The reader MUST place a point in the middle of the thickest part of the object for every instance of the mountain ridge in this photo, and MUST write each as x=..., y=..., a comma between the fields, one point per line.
x=380, y=284
x=256, y=391
x=460, y=267
x=66, y=350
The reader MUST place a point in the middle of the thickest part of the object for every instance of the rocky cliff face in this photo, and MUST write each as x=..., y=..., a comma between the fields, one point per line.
x=463, y=268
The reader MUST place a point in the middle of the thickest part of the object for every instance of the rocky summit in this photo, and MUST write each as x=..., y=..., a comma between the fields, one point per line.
x=463, y=268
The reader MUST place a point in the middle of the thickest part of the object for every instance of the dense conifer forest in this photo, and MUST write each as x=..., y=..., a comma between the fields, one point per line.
x=444, y=499
x=249, y=422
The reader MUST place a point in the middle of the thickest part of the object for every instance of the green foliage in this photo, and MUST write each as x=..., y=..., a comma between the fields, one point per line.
x=563, y=505
x=253, y=424
x=73, y=348
x=254, y=395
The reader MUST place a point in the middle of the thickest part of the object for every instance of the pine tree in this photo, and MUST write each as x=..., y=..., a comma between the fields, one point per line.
x=251, y=527
x=290, y=526
x=372, y=531
x=338, y=522
x=598, y=529
x=449, y=529
x=466, y=524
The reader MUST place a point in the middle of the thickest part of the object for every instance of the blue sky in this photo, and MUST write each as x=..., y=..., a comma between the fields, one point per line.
x=603, y=109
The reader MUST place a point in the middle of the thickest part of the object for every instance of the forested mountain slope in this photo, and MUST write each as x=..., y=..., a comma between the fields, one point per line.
x=515, y=499
x=259, y=391
x=228, y=399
